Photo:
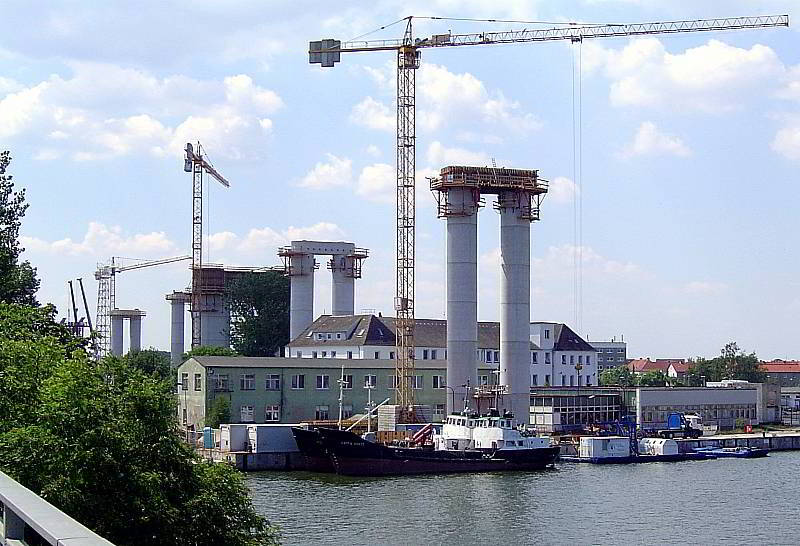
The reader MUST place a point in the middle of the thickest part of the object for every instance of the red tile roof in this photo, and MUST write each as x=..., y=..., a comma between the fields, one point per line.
x=680, y=366
x=781, y=366
x=643, y=365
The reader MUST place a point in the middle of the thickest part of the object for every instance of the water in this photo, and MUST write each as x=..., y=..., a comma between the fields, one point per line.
x=730, y=501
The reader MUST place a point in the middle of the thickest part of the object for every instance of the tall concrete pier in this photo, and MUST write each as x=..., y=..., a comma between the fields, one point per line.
x=178, y=301
x=118, y=318
x=300, y=265
x=458, y=191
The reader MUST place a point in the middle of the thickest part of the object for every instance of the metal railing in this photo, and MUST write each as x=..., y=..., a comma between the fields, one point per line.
x=26, y=518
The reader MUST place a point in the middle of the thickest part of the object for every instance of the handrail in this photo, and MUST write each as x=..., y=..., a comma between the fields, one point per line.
x=23, y=508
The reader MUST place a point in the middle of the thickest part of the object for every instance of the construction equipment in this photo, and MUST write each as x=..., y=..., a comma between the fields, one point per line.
x=195, y=163
x=328, y=52
x=107, y=295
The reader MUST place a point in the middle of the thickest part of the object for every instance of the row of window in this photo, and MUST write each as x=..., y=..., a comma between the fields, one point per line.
x=272, y=413
x=247, y=382
x=427, y=354
x=581, y=382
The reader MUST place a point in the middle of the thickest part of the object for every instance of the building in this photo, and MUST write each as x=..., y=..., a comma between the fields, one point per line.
x=785, y=373
x=555, y=350
x=727, y=406
x=560, y=357
x=559, y=409
x=292, y=390
x=678, y=369
x=610, y=354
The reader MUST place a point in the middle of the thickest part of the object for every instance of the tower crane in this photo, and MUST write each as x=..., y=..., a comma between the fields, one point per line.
x=195, y=163
x=106, y=276
x=407, y=49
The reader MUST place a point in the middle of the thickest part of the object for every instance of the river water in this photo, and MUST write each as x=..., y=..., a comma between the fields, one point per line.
x=730, y=501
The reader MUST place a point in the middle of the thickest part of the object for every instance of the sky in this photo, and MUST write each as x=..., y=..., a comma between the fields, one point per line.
x=672, y=159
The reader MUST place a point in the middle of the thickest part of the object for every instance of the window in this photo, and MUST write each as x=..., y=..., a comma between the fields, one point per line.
x=329, y=336
x=580, y=359
x=377, y=355
x=547, y=334
x=323, y=382
x=497, y=356
x=272, y=414
x=313, y=354
x=347, y=411
x=439, y=410
x=350, y=354
x=333, y=354
x=534, y=358
x=571, y=380
x=246, y=414
x=416, y=382
x=185, y=381
x=564, y=359
x=563, y=380
x=370, y=381
x=547, y=380
x=572, y=359
x=483, y=380
x=273, y=382
x=197, y=382
x=298, y=354
x=347, y=382
x=324, y=354
x=588, y=380
x=438, y=382
x=184, y=416
x=247, y=382
x=547, y=358
x=588, y=359
x=320, y=336
x=534, y=380
x=338, y=335
x=391, y=355
x=424, y=354
x=222, y=383
x=433, y=354
x=580, y=380
x=321, y=413
x=299, y=381
x=392, y=381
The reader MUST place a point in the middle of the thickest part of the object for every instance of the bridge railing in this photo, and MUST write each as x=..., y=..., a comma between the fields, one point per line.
x=26, y=518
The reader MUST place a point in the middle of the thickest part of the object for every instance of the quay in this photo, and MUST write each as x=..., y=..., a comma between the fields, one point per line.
x=783, y=440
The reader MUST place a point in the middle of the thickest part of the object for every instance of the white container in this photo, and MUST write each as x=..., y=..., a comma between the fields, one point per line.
x=233, y=437
x=604, y=447
x=657, y=446
x=271, y=439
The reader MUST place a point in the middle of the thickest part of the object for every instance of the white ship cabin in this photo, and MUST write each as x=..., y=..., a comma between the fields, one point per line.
x=487, y=432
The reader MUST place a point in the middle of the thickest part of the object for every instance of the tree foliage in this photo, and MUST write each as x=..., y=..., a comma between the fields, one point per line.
x=652, y=379
x=151, y=361
x=208, y=350
x=18, y=281
x=260, y=304
x=219, y=412
x=733, y=363
x=619, y=375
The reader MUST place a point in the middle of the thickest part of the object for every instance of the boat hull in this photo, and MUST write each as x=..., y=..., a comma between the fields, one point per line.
x=742, y=453
x=638, y=459
x=353, y=456
x=310, y=445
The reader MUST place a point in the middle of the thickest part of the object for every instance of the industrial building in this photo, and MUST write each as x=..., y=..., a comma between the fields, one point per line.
x=559, y=410
x=785, y=373
x=291, y=390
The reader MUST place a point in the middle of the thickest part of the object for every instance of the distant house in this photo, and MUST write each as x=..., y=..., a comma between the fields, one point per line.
x=644, y=365
x=785, y=373
x=678, y=368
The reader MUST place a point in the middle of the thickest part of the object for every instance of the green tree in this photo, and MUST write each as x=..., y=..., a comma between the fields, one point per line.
x=18, y=281
x=260, y=304
x=620, y=375
x=219, y=412
x=652, y=379
x=151, y=361
x=208, y=350
x=733, y=363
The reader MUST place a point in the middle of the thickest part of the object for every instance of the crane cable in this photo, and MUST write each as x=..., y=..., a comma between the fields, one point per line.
x=577, y=194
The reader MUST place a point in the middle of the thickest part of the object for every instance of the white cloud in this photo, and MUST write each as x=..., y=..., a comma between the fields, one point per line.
x=705, y=288
x=373, y=151
x=373, y=114
x=321, y=231
x=103, y=111
x=104, y=241
x=787, y=142
x=439, y=154
x=377, y=183
x=650, y=141
x=562, y=190
x=265, y=241
x=714, y=77
x=559, y=259
x=336, y=172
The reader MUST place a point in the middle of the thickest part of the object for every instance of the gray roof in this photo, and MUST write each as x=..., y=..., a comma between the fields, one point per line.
x=567, y=340
x=378, y=330
x=323, y=363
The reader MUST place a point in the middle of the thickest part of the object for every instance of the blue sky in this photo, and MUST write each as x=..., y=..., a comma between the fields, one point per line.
x=686, y=175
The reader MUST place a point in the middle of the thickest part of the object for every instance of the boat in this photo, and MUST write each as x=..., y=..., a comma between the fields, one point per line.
x=310, y=446
x=618, y=450
x=468, y=442
x=740, y=452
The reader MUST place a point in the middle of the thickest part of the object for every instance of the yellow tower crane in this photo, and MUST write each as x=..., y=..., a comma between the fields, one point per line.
x=407, y=49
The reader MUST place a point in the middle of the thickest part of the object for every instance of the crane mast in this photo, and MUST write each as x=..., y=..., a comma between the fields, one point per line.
x=328, y=52
x=195, y=163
